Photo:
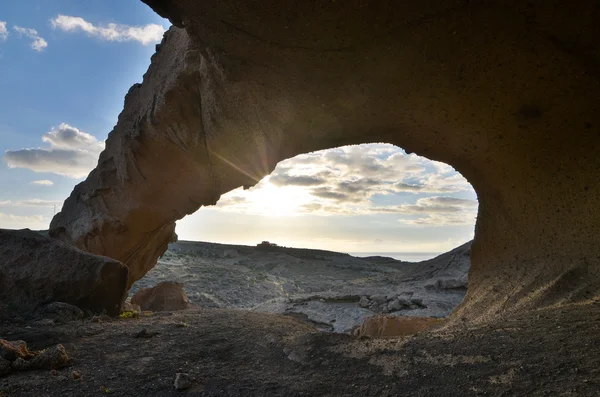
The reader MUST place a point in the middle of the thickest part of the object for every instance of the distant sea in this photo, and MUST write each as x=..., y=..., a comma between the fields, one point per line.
x=401, y=256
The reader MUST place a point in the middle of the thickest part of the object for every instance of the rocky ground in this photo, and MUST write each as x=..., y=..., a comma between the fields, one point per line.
x=333, y=291
x=550, y=352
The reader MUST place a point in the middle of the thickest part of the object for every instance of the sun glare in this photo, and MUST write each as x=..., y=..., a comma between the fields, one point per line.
x=270, y=200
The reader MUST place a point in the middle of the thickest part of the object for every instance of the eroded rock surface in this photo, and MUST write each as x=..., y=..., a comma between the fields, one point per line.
x=36, y=270
x=505, y=91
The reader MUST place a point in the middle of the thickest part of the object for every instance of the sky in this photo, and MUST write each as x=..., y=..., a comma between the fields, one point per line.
x=65, y=67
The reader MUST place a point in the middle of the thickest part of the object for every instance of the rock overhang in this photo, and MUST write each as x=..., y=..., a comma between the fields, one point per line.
x=502, y=90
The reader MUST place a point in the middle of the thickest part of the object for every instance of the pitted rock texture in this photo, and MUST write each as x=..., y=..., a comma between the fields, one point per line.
x=505, y=91
x=36, y=270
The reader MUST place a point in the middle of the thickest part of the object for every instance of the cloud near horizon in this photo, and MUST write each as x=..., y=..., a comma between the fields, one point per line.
x=71, y=152
x=356, y=180
x=34, y=222
x=30, y=203
x=37, y=43
x=145, y=35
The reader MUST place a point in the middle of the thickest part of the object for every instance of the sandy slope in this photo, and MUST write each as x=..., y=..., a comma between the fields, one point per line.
x=322, y=287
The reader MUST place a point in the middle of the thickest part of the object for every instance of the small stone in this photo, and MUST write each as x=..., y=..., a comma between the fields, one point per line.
x=5, y=367
x=145, y=334
x=76, y=375
x=297, y=356
x=364, y=301
x=395, y=305
x=52, y=358
x=182, y=381
x=131, y=307
x=404, y=301
x=46, y=322
x=379, y=298
x=418, y=302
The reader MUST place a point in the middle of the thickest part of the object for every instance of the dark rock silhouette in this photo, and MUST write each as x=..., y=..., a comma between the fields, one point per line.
x=36, y=270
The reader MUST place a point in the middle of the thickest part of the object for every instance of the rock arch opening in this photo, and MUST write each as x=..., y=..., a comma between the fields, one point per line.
x=347, y=233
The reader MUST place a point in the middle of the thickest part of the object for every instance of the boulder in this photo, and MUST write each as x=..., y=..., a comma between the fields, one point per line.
x=165, y=296
x=385, y=326
x=36, y=270
x=60, y=312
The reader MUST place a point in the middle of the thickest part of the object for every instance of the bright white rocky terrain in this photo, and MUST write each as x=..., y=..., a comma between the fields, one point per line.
x=334, y=291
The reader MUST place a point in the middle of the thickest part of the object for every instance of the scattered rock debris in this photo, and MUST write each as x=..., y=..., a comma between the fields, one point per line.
x=14, y=356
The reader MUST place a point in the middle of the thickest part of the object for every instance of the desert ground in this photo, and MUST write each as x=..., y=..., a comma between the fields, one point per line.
x=243, y=353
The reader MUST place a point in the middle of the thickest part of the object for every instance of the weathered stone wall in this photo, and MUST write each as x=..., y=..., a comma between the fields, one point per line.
x=505, y=91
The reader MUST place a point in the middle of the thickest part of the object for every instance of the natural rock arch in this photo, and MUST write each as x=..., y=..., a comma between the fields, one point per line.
x=506, y=92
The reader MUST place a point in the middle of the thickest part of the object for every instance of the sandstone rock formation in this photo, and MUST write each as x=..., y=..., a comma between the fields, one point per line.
x=37, y=270
x=385, y=326
x=503, y=90
x=165, y=296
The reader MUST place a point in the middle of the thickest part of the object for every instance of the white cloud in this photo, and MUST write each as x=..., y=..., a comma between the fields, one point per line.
x=3, y=31
x=71, y=152
x=360, y=180
x=436, y=211
x=12, y=221
x=37, y=43
x=43, y=182
x=29, y=203
x=146, y=34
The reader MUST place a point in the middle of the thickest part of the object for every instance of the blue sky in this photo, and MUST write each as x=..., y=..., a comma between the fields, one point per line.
x=65, y=67
x=77, y=79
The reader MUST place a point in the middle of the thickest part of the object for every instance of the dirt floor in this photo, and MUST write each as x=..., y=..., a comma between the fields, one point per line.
x=550, y=352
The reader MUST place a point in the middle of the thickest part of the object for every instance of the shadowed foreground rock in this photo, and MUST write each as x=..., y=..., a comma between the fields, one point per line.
x=505, y=91
x=36, y=270
x=14, y=356
x=165, y=296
